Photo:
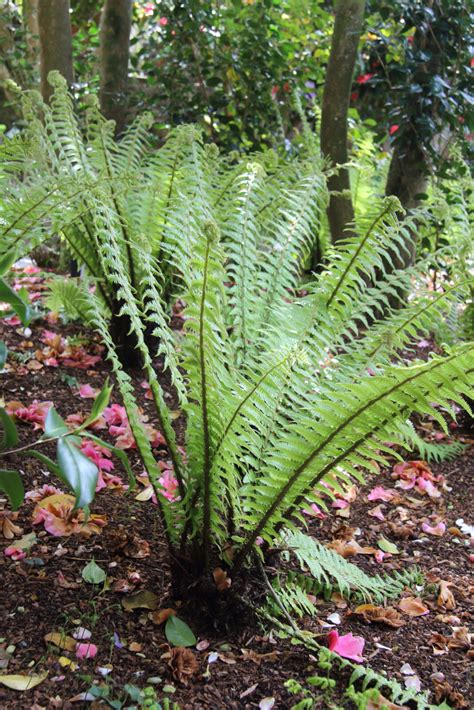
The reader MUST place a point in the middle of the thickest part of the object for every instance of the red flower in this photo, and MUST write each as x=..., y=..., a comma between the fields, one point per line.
x=364, y=78
x=393, y=129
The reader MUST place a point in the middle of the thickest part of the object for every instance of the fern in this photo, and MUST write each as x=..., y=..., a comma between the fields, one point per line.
x=285, y=386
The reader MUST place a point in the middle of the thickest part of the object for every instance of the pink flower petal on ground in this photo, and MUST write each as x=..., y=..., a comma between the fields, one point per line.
x=85, y=650
x=347, y=646
x=14, y=552
x=88, y=392
x=339, y=503
x=377, y=513
x=427, y=486
x=437, y=530
x=380, y=556
x=37, y=494
x=315, y=511
x=380, y=493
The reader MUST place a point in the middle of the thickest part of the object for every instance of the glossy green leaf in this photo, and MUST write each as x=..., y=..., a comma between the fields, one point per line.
x=54, y=425
x=6, y=261
x=93, y=574
x=178, y=633
x=12, y=485
x=3, y=354
x=10, y=434
x=100, y=403
x=388, y=546
x=8, y=295
x=77, y=471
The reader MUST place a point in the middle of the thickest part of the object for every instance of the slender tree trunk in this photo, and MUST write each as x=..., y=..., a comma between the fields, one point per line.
x=348, y=24
x=408, y=174
x=55, y=42
x=31, y=27
x=115, y=26
x=407, y=179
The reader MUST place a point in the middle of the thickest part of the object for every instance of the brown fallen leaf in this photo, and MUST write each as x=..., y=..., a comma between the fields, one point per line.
x=137, y=548
x=446, y=597
x=65, y=583
x=439, y=643
x=258, y=658
x=159, y=617
x=445, y=691
x=380, y=615
x=383, y=704
x=461, y=638
x=66, y=643
x=413, y=606
x=140, y=600
x=450, y=619
x=183, y=663
x=7, y=526
x=221, y=580
x=350, y=548
x=135, y=647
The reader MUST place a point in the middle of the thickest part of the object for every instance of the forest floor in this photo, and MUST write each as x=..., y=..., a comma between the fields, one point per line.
x=431, y=646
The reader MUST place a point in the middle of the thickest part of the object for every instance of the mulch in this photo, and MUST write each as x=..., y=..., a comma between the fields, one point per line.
x=36, y=600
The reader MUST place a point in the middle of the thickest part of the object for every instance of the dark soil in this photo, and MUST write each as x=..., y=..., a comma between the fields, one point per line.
x=45, y=592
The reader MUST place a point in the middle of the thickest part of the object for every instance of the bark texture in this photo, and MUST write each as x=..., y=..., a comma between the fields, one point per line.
x=55, y=42
x=31, y=26
x=407, y=178
x=115, y=28
x=349, y=20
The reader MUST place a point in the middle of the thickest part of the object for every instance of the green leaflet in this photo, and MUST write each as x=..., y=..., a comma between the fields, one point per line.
x=12, y=485
x=77, y=471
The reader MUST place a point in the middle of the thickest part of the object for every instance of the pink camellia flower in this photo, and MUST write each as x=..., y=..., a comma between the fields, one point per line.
x=170, y=484
x=149, y=8
x=163, y=21
x=347, y=646
x=85, y=651
x=115, y=415
x=88, y=392
x=15, y=553
x=37, y=494
x=36, y=412
x=380, y=493
x=12, y=320
x=437, y=530
x=98, y=454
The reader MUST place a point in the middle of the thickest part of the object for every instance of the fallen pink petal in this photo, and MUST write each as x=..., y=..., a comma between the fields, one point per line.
x=438, y=530
x=85, y=651
x=347, y=646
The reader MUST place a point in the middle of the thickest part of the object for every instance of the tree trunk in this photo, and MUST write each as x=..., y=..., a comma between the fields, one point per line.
x=407, y=178
x=115, y=26
x=348, y=25
x=31, y=27
x=55, y=42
